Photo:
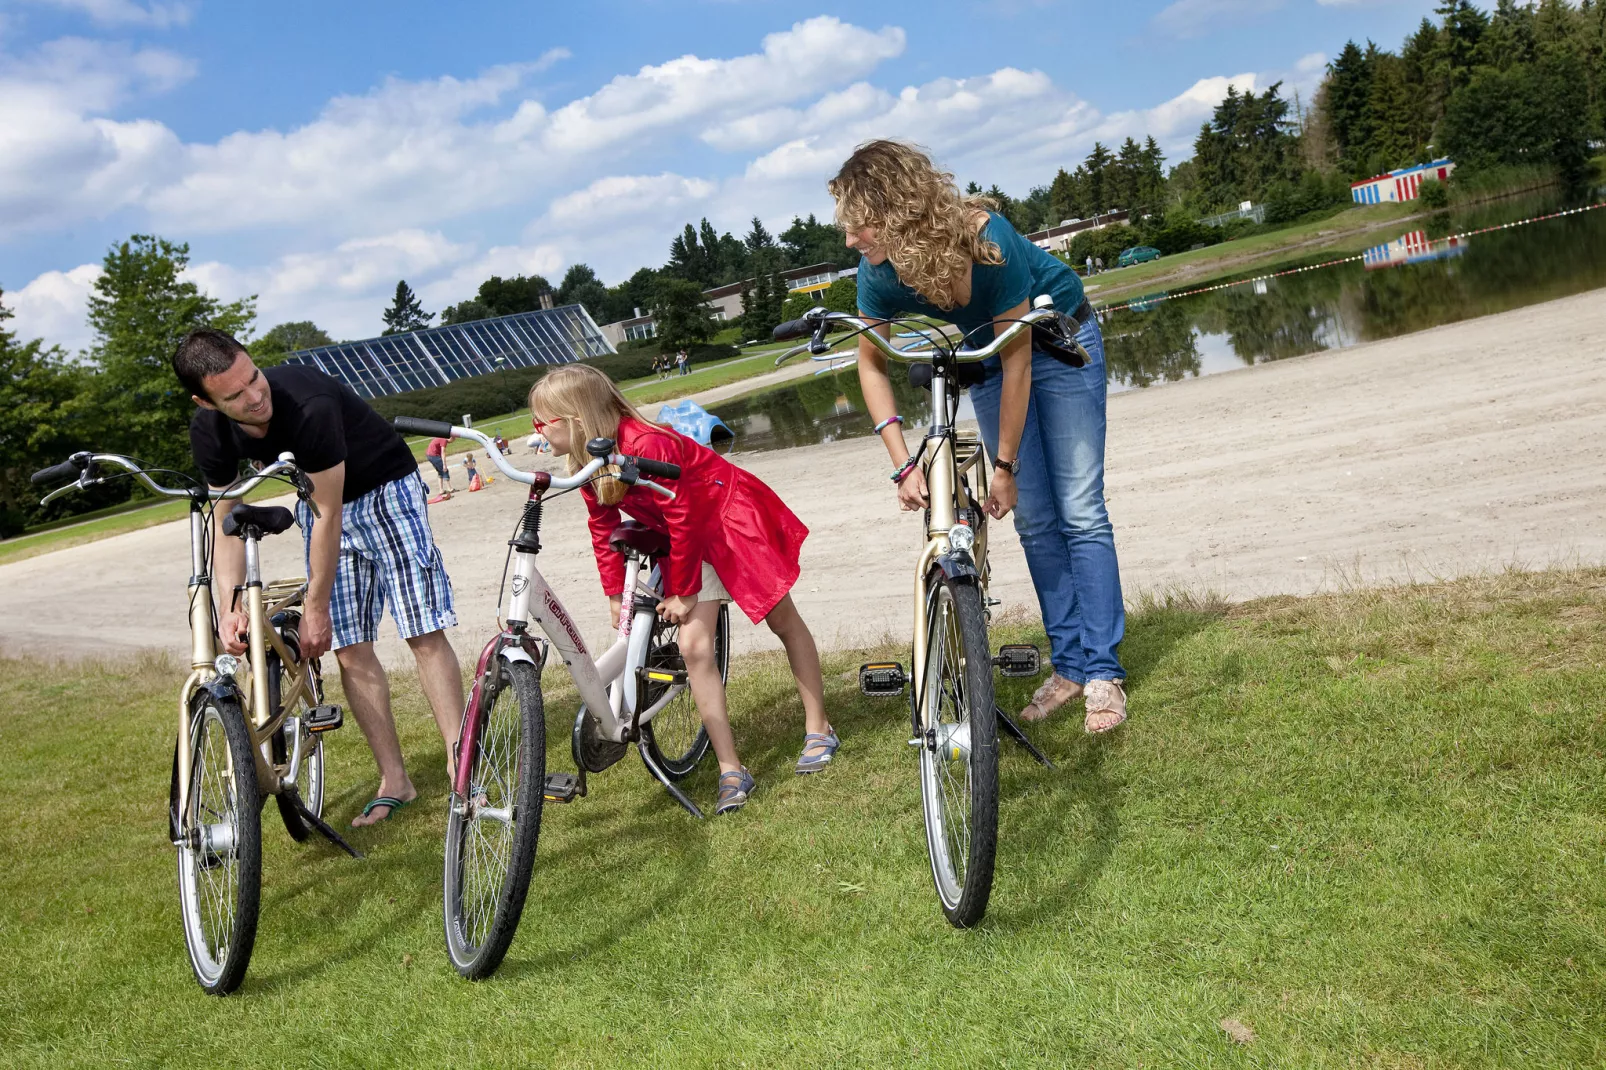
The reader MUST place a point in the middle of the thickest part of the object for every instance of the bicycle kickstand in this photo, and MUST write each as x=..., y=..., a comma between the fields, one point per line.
x=317, y=822
x=669, y=785
x=1013, y=731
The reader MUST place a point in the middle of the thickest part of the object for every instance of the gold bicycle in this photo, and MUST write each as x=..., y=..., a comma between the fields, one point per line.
x=954, y=714
x=247, y=728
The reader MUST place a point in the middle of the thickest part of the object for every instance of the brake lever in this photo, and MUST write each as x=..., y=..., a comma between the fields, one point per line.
x=655, y=488
x=794, y=351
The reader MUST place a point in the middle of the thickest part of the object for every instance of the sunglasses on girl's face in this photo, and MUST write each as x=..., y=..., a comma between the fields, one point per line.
x=540, y=424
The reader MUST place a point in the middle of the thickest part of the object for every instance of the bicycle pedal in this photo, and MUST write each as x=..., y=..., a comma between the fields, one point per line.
x=323, y=718
x=1018, y=660
x=882, y=679
x=660, y=675
x=561, y=787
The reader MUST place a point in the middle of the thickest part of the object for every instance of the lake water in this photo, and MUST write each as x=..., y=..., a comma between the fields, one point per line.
x=1413, y=278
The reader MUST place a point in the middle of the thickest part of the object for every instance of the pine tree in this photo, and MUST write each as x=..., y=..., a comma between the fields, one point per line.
x=406, y=312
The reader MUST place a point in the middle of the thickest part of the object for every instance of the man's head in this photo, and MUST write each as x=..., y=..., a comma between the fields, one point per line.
x=217, y=371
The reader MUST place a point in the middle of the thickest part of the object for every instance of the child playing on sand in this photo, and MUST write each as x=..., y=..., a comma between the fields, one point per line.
x=731, y=539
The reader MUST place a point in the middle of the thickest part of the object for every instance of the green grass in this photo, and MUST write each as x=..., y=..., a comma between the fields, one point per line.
x=1346, y=231
x=1368, y=826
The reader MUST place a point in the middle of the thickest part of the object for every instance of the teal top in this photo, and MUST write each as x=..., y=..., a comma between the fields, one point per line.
x=1026, y=273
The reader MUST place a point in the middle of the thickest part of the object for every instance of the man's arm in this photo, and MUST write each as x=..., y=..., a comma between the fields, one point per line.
x=228, y=572
x=316, y=633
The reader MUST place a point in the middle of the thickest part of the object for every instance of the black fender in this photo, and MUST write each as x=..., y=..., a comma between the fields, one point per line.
x=957, y=565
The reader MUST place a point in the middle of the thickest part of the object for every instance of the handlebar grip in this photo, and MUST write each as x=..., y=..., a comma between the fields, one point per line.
x=412, y=425
x=67, y=469
x=793, y=329
x=659, y=469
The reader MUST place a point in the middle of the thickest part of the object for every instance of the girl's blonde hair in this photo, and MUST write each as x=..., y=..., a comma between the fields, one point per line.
x=592, y=406
x=927, y=227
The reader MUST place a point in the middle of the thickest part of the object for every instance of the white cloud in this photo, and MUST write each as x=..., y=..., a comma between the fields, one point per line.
x=620, y=196
x=1190, y=18
x=54, y=307
x=126, y=12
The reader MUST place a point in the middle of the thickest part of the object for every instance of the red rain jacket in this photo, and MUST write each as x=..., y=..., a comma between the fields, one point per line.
x=720, y=514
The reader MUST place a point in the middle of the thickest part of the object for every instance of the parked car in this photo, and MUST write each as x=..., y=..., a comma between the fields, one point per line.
x=1137, y=255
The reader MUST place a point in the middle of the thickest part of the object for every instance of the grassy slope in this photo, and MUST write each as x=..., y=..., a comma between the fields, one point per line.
x=1369, y=826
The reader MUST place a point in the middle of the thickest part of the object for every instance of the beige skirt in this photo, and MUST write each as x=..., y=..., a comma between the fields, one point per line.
x=713, y=589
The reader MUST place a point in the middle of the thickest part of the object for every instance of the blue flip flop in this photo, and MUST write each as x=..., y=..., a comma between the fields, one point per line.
x=384, y=800
x=826, y=743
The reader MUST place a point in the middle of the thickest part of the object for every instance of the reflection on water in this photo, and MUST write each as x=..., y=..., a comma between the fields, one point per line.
x=1411, y=280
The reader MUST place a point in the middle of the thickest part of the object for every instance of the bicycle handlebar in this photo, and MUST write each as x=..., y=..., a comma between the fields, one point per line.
x=83, y=465
x=816, y=318
x=662, y=469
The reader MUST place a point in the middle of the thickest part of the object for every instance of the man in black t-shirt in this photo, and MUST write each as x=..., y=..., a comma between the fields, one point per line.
x=370, y=547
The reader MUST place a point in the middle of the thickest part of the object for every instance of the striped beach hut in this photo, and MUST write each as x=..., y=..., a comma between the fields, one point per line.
x=1401, y=185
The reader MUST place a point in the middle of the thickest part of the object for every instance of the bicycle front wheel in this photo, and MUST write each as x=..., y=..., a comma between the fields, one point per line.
x=676, y=738
x=958, y=749
x=220, y=854
x=491, y=834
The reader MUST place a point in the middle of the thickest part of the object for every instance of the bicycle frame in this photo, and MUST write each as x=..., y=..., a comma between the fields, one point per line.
x=607, y=684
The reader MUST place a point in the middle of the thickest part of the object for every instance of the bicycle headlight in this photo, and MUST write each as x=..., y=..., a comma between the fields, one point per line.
x=226, y=664
x=961, y=537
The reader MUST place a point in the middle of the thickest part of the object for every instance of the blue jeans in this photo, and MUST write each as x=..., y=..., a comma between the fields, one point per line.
x=1063, y=525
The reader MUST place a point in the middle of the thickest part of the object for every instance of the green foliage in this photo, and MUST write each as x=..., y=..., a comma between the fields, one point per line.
x=139, y=311
x=1434, y=194
x=1133, y=179
x=1245, y=149
x=279, y=342
x=406, y=312
x=40, y=422
x=809, y=241
x=1312, y=192
x=682, y=317
x=1525, y=114
x=465, y=312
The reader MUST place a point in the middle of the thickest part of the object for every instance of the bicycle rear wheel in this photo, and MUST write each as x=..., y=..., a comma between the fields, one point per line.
x=220, y=858
x=959, y=749
x=676, y=738
x=491, y=835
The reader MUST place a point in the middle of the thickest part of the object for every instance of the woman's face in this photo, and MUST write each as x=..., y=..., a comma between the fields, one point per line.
x=556, y=431
x=866, y=241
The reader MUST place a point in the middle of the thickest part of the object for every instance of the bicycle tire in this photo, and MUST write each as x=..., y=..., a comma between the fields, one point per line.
x=220, y=867
x=959, y=793
x=488, y=873
x=309, y=783
x=676, y=738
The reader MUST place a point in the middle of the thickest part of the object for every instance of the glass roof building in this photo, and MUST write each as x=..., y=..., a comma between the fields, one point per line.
x=398, y=363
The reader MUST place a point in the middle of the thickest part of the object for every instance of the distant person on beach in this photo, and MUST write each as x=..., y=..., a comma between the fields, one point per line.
x=436, y=452
x=927, y=250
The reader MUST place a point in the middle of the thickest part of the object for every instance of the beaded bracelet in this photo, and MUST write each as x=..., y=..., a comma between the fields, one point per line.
x=888, y=422
x=908, y=466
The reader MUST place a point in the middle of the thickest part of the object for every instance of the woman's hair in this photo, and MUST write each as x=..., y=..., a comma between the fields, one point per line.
x=927, y=227
x=593, y=407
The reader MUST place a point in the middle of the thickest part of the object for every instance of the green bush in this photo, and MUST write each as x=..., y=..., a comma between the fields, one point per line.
x=1434, y=194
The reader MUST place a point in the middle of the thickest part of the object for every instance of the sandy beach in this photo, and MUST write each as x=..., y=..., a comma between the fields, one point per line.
x=1469, y=447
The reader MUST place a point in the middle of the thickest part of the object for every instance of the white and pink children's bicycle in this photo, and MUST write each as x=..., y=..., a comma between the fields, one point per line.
x=633, y=693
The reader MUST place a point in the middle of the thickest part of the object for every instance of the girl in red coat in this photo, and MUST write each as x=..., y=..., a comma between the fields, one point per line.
x=731, y=540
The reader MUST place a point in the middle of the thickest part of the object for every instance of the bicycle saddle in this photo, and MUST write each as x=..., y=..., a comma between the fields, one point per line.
x=264, y=519
x=638, y=537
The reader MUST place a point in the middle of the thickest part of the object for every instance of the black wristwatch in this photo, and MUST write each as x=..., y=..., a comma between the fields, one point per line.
x=1012, y=467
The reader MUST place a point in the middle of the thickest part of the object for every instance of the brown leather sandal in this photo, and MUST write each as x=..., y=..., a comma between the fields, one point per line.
x=1106, y=706
x=1055, y=692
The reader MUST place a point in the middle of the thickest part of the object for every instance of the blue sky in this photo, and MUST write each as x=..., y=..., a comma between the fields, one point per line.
x=314, y=153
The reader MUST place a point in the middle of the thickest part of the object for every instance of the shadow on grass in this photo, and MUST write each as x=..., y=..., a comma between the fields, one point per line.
x=1076, y=803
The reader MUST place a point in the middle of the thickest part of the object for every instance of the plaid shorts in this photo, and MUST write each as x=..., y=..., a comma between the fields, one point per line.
x=387, y=557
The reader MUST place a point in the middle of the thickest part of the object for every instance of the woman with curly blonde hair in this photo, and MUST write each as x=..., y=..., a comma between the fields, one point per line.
x=926, y=250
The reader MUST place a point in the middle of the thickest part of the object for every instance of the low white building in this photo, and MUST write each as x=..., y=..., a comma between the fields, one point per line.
x=726, y=301
x=1058, y=239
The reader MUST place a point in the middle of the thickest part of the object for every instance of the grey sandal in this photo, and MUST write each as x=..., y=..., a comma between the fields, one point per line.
x=818, y=749
x=734, y=788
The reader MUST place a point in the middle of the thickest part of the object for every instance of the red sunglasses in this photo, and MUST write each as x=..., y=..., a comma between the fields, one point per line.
x=540, y=425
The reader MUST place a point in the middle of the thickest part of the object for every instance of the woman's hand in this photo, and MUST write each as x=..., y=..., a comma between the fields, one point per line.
x=1001, y=498
x=676, y=609
x=912, y=491
x=615, y=604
